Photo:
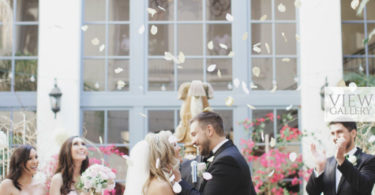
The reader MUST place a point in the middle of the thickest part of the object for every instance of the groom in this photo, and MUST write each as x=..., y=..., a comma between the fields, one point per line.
x=349, y=172
x=229, y=170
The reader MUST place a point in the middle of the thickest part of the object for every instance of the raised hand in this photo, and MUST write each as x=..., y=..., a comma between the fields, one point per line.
x=340, y=150
x=319, y=158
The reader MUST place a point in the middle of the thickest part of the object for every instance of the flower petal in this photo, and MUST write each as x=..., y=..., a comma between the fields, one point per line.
x=229, y=101
x=95, y=41
x=141, y=29
x=273, y=142
x=84, y=28
x=244, y=88
x=211, y=68
x=264, y=17
x=256, y=71
x=292, y=156
x=154, y=30
x=157, y=164
x=118, y=70
x=231, y=54
x=101, y=48
x=223, y=46
x=177, y=188
x=143, y=115
x=151, y=11
x=281, y=7
x=210, y=45
x=251, y=107
x=168, y=56
x=181, y=57
x=236, y=82
x=229, y=17
x=271, y=173
x=354, y=4
x=245, y=36
x=285, y=39
x=297, y=3
x=267, y=48
x=219, y=73
x=289, y=107
x=207, y=176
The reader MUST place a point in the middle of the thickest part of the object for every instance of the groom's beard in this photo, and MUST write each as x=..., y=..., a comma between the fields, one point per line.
x=349, y=144
x=205, y=148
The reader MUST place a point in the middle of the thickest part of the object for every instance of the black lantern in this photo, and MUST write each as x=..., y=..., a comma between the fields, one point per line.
x=322, y=96
x=55, y=98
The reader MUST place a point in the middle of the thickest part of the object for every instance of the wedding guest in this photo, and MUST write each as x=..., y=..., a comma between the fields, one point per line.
x=23, y=166
x=72, y=162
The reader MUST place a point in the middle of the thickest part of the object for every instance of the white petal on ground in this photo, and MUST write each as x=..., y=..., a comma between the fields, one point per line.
x=223, y=46
x=281, y=7
x=285, y=60
x=118, y=70
x=267, y=48
x=207, y=176
x=181, y=57
x=231, y=54
x=141, y=29
x=101, y=48
x=263, y=18
x=297, y=3
x=84, y=28
x=229, y=101
x=210, y=45
x=292, y=156
x=251, y=107
x=154, y=30
x=273, y=142
x=177, y=188
x=97, y=85
x=245, y=36
x=236, y=82
x=229, y=17
x=271, y=173
x=244, y=88
x=143, y=115
x=157, y=164
x=161, y=8
x=354, y=4
x=151, y=11
x=211, y=68
x=285, y=39
x=95, y=41
x=256, y=71
x=289, y=107
x=219, y=73
x=168, y=56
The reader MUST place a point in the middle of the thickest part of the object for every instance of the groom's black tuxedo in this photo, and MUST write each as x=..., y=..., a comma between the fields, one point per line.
x=230, y=175
x=355, y=180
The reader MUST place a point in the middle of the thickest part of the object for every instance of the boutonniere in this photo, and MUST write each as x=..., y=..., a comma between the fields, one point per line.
x=199, y=169
x=352, y=159
x=211, y=159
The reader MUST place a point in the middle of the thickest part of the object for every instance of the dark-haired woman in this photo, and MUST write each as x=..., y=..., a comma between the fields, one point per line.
x=23, y=165
x=73, y=161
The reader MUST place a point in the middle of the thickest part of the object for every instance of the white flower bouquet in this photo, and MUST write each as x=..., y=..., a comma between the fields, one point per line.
x=97, y=178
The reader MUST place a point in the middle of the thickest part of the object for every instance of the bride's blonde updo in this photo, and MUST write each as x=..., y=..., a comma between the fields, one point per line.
x=162, y=157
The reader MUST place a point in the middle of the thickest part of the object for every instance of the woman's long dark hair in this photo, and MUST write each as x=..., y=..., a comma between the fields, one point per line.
x=18, y=163
x=66, y=165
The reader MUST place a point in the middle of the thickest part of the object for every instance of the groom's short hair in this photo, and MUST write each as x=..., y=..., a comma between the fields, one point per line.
x=210, y=118
x=349, y=125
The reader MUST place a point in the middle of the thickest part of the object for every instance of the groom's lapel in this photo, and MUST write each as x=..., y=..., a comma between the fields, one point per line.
x=342, y=180
x=331, y=174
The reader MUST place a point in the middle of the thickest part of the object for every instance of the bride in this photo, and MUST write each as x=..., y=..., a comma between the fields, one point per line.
x=151, y=164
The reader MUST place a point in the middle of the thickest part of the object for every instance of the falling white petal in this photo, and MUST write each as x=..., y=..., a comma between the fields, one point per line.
x=273, y=142
x=251, y=107
x=154, y=30
x=172, y=139
x=151, y=11
x=285, y=60
x=172, y=178
x=372, y=138
x=161, y=8
x=141, y=29
x=281, y=8
x=223, y=46
x=253, y=86
x=360, y=68
x=297, y=3
x=274, y=88
x=143, y=115
x=118, y=70
x=229, y=101
x=354, y=4
x=101, y=48
x=207, y=176
x=296, y=79
x=229, y=86
x=267, y=48
x=157, y=164
x=372, y=33
x=285, y=39
x=84, y=28
x=211, y=68
x=180, y=67
x=245, y=36
x=262, y=135
x=168, y=56
x=100, y=140
x=32, y=78
x=292, y=156
x=120, y=84
x=177, y=188
x=97, y=85
x=257, y=49
x=264, y=17
x=219, y=73
x=299, y=87
x=256, y=71
x=229, y=17
x=352, y=86
x=181, y=57
x=244, y=88
x=297, y=37
x=163, y=88
x=289, y=107
x=231, y=54
x=271, y=173
x=95, y=41
x=210, y=45
x=236, y=82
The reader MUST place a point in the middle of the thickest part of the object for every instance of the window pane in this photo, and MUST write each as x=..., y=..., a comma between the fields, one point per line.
x=258, y=128
x=93, y=125
x=189, y=10
x=164, y=9
x=94, y=38
x=260, y=8
x=356, y=65
x=27, y=10
x=160, y=75
x=190, y=39
x=219, y=33
x=227, y=116
x=217, y=10
x=118, y=127
x=118, y=40
x=118, y=75
x=286, y=39
x=261, y=33
x=192, y=69
x=347, y=12
x=94, y=75
x=264, y=80
x=5, y=40
x=119, y=163
x=371, y=42
x=162, y=41
x=220, y=81
x=286, y=73
x=371, y=65
x=5, y=75
x=352, y=39
x=24, y=127
x=26, y=75
x=94, y=10
x=370, y=7
x=160, y=120
x=290, y=11
x=119, y=10
x=27, y=40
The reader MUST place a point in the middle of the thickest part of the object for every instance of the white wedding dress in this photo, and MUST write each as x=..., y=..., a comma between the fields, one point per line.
x=138, y=169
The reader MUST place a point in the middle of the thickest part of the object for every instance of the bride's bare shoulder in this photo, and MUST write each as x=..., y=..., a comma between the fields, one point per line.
x=159, y=187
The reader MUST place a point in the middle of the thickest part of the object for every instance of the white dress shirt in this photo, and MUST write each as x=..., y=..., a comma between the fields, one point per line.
x=219, y=145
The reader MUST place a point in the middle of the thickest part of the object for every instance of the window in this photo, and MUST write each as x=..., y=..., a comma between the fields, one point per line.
x=18, y=45
x=195, y=35
x=105, y=32
x=358, y=50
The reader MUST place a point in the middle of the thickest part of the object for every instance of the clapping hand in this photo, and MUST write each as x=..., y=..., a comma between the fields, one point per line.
x=319, y=157
x=340, y=150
